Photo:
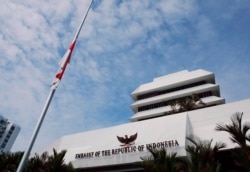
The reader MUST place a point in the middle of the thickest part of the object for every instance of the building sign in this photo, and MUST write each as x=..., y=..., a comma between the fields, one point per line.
x=127, y=147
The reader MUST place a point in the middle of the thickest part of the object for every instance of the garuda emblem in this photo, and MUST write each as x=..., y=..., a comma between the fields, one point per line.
x=127, y=141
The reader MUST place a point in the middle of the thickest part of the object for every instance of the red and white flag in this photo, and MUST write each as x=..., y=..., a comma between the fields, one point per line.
x=63, y=65
x=67, y=56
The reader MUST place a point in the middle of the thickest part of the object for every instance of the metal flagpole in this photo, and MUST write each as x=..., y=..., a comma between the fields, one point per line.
x=38, y=126
x=51, y=94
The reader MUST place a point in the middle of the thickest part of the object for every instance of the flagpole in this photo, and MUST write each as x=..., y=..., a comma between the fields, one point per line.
x=51, y=94
x=38, y=126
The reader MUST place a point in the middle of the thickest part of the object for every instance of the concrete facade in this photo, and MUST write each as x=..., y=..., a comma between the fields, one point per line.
x=100, y=149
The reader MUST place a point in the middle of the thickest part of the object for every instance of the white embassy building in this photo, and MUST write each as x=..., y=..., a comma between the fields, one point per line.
x=8, y=134
x=152, y=123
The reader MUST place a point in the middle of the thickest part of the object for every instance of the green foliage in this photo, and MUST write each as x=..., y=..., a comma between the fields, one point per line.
x=44, y=163
x=240, y=134
x=9, y=161
x=56, y=162
x=185, y=104
x=160, y=161
x=203, y=155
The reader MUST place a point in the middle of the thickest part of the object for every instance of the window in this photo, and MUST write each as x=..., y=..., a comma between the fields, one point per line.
x=12, y=128
x=166, y=103
x=3, y=145
x=156, y=93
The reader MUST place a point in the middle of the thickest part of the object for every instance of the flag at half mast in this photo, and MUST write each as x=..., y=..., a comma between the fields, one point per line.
x=67, y=56
x=63, y=65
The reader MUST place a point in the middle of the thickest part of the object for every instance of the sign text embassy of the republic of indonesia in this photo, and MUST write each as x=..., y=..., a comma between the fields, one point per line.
x=140, y=148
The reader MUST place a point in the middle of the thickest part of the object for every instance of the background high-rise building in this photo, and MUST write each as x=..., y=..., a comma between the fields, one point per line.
x=8, y=134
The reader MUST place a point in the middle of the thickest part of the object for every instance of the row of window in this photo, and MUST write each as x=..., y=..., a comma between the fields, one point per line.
x=3, y=121
x=156, y=93
x=3, y=145
x=7, y=137
x=169, y=102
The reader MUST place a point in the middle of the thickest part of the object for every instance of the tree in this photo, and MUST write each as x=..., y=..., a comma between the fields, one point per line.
x=43, y=163
x=56, y=162
x=9, y=161
x=190, y=103
x=239, y=134
x=37, y=163
x=185, y=104
x=203, y=155
x=160, y=161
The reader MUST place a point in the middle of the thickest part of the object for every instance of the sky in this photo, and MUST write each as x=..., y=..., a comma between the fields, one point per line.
x=123, y=44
